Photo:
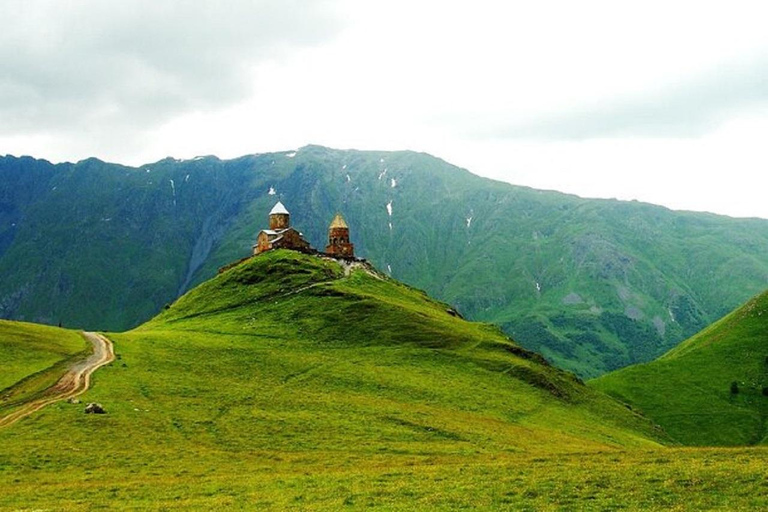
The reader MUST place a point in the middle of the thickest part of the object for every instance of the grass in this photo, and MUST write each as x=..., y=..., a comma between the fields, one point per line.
x=284, y=384
x=672, y=479
x=688, y=390
x=33, y=358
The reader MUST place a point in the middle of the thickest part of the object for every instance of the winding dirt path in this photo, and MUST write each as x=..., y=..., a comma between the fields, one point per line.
x=73, y=383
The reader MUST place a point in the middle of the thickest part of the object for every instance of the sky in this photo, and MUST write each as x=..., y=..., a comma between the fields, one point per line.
x=664, y=102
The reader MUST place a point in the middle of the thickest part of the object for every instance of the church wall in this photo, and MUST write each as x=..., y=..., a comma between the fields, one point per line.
x=262, y=243
x=338, y=242
x=278, y=221
x=291, y=239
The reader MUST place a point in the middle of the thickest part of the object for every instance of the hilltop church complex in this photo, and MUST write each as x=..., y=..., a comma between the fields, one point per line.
x=281, y=235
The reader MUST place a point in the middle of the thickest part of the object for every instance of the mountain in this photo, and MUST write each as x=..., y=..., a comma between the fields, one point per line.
x=593, y=285
x=294, y=366
x=711, y=389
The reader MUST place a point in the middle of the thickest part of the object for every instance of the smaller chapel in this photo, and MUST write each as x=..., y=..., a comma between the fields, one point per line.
x=281, y=235
x=338, y=238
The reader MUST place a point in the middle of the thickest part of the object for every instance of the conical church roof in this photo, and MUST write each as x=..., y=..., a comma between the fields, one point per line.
x=279, y=209
x=338, y=222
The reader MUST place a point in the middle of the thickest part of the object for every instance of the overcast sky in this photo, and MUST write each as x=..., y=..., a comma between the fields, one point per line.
x=665, y=102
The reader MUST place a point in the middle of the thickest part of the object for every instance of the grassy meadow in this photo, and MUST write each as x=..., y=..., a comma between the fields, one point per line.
x=283, y=383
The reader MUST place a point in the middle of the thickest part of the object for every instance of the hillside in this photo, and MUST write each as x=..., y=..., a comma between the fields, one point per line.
x=593, y=285
x=688, y=390
x=351, y=339
x=33, y=358
x=292, y=382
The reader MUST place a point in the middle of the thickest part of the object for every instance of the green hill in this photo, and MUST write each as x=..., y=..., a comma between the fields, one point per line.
x=593, y=285
x=33, y=358
x=356, y=347
x=711, y=389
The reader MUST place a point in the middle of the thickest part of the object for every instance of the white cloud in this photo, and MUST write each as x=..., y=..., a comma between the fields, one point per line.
x=658, y=101
x=67, y=66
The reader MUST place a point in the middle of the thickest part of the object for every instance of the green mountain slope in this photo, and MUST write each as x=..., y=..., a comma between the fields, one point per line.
x=33, y=358
x=591, y=284
x=288, y=364
x=357, y=343
x=688, y=391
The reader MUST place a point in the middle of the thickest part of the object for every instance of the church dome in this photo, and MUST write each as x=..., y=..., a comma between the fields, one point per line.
x=279, y=209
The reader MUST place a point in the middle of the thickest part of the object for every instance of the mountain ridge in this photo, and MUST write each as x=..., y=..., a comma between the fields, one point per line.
x=592, y=284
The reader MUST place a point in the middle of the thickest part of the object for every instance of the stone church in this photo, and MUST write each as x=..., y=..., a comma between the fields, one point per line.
x=281, y=235
x=338, y=238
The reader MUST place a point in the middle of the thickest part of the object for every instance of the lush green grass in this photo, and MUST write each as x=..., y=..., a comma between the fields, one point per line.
x=370, y=339
x=688, y=390
x=670, y=479
x=33, y=357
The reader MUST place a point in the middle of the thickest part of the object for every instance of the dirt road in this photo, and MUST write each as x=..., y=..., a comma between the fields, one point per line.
x=73, y=383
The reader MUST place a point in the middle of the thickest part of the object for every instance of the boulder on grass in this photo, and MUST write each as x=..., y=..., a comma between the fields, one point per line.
x=94, y=408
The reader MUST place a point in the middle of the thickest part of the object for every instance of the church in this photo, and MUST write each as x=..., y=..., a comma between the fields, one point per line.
x=338, y=238
x=281, y=235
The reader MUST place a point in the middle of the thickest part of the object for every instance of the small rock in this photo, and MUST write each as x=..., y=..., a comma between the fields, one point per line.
x=94, y=408
x=73, y=401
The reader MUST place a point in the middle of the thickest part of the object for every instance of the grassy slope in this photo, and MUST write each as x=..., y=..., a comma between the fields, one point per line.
x=33, y=357
x=688, y=390
x=376, y=339
x=30, y=348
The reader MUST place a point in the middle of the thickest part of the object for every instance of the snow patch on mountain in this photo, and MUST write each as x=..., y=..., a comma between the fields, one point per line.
x=173, y=191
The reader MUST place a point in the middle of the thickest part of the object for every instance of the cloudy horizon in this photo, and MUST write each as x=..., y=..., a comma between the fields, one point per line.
x=660, y=102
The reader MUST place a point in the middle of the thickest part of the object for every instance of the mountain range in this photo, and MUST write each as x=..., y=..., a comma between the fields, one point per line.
x=593, y=285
